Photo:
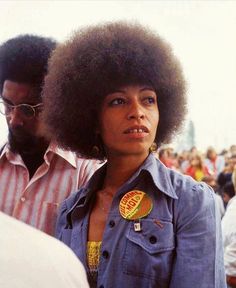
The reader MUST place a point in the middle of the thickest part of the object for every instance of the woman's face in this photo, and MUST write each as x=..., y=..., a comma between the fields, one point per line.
x=195, y=161
x=128, y=121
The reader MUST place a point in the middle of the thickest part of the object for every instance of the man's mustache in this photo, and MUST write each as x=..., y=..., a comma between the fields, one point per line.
x=19, y=133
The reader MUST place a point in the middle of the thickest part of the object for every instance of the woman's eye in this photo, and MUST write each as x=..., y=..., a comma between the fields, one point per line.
x=150, y=100
x=117, y=101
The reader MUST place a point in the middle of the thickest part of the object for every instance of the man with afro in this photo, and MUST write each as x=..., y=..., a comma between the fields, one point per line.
x=35, y=175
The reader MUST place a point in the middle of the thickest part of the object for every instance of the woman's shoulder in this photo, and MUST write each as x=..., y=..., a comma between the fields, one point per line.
x=179, y=186
x=195, y=203
x=187, y=188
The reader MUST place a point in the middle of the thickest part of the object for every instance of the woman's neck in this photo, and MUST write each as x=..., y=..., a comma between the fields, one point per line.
x=120, y=169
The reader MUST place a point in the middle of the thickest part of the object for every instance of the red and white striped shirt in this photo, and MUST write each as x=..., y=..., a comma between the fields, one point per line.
x=35, y=201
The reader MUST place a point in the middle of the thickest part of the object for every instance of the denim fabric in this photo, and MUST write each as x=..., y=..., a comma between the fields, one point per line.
x=179, y=245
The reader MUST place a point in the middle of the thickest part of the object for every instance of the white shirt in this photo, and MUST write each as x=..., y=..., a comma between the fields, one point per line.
x=31, y=259
x=229, y=237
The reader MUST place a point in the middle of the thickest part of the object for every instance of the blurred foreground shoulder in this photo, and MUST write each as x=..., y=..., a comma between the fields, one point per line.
x=31, y=258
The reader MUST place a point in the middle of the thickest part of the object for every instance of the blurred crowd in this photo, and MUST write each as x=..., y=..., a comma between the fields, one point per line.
x=213, y=168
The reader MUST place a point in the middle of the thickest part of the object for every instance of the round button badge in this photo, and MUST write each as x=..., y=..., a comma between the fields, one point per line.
x=135, y=204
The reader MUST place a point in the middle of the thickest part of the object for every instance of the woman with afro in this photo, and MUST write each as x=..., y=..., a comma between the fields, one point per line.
x=115, y=91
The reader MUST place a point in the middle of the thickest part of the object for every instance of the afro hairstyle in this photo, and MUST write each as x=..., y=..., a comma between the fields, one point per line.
x=24, y=59
x=94, y=62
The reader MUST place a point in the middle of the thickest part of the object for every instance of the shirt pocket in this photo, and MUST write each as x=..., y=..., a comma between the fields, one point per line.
x=149, y=253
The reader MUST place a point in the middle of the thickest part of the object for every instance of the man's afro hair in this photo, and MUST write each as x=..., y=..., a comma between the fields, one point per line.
x=24, y=59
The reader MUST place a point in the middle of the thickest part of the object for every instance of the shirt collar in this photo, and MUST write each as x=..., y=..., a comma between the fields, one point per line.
x=159, y=172
x=68, y=156
x=4, y=149
x=10, y=156
x=161, y=175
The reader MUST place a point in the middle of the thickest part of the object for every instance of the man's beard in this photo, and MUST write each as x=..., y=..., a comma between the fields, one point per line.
x=21, y=141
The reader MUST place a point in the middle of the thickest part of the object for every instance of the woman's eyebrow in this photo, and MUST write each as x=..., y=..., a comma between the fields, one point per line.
x=147, y=88
x=117, y=91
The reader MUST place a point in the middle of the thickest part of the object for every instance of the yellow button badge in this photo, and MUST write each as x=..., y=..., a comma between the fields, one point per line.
x=135, y=204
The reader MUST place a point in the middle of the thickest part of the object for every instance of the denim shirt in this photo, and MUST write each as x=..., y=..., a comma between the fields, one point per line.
x=179, y=244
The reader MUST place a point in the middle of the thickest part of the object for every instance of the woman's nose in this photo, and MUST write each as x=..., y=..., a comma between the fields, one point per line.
x=136, y=111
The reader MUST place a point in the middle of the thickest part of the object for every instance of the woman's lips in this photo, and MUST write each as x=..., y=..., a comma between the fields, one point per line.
x=137, y=132
x=136, y=129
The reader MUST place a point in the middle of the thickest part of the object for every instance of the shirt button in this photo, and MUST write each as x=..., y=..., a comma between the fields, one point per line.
x=112, y=223
x=153, y=239
x=22, y=199
x=105, y=254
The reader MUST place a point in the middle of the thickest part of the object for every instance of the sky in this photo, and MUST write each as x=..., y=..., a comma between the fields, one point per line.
x=201, y=33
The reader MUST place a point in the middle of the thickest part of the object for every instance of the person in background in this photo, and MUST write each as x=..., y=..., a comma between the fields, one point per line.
x=214, y=163
x=196, y=168
x=136, y=223
x=183, y=160
x=35, y=174
x=234, y=177
x=228, y=192
x=232, y=150
x=166, y=157
x=193, y=150
x=229, y=238
x=32, y=259
x=226, y=175
x=211, y=181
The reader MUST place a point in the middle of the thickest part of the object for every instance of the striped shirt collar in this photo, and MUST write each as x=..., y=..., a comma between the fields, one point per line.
x=68, y=156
